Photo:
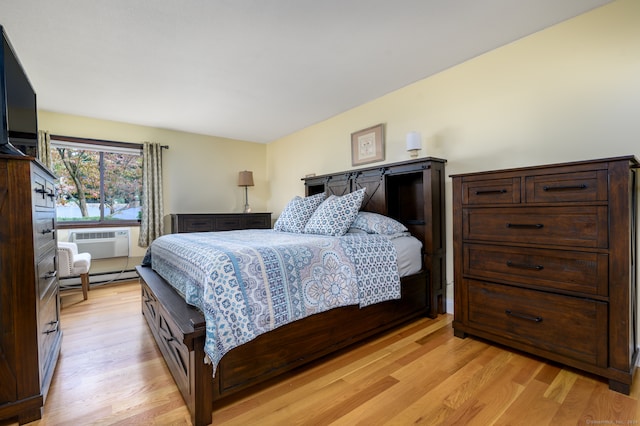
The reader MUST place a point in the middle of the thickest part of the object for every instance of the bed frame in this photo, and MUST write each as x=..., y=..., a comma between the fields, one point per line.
x=411, y=192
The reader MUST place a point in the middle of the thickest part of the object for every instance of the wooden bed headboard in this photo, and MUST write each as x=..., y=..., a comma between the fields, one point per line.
x=412, y=192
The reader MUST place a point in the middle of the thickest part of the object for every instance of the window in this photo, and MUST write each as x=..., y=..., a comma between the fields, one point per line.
x=100, y=182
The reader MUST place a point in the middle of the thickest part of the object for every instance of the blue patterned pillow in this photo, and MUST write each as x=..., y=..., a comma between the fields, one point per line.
x=297, y=212
x=374, y=223
x=335, y=215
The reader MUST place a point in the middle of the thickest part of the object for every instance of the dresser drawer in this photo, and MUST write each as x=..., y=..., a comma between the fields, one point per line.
x=494, y=191
x=562, y=226
x=49, y=326
x=575, y=271
x=44, y=229
x=196, y=224
x=257, y=221
x=567, y=187
x=46, y=270
x=569, y=326
x=228, y=223
x=43, y=190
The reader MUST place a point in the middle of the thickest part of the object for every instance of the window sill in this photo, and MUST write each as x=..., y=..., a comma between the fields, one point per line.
x=79, y=225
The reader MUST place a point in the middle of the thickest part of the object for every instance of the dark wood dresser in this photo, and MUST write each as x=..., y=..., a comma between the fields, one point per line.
x=209, y=222
x=30, y=334
x=544, y=261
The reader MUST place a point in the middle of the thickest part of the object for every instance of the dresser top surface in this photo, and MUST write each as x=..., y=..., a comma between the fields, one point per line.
x=218, y=214
x=628, y=158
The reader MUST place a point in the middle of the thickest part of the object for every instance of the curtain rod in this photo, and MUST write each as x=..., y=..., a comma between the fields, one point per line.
x=96, y=141
x=100, y=141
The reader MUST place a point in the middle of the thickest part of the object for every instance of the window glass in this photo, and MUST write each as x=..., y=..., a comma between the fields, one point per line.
x=97, y=183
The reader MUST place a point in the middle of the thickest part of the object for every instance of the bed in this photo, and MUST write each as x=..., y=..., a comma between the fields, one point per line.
x=410, y=192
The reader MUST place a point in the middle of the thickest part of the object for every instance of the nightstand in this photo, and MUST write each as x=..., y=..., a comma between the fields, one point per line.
x=209, y=222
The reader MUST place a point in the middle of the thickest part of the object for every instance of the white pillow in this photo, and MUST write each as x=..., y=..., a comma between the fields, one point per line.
x=297, y=212
x=335, y=215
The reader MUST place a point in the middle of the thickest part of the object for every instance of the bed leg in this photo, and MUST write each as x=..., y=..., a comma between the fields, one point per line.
x=434, y=298
x=202, y=386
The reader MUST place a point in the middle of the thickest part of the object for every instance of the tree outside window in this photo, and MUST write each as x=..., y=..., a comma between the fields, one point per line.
x=97, y=184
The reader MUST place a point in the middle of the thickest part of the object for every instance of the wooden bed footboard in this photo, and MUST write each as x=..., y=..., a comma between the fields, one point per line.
x=179, y=331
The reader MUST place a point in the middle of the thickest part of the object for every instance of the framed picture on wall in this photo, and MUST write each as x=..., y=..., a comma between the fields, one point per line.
x=367, y=145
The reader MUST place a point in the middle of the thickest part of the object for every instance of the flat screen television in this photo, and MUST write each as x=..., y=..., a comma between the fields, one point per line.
x=18, y=109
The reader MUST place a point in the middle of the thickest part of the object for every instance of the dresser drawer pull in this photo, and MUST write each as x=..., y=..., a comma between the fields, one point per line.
x=51, y=194
x=524, y=266
x=51, y=330
x=50, y=274
x=523, y=316
x=491, y=191
x=46, y=231
x=41, y=190
x=564, y=188
x=525, y=225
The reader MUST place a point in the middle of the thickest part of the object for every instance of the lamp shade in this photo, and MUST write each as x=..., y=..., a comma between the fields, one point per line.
x=414, y=141
x=245, y=178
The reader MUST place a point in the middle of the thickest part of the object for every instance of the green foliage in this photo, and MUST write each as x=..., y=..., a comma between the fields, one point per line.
x=80, y=174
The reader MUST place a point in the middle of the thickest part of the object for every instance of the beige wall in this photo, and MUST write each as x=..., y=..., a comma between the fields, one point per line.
x=570, y=92
x=199, y=172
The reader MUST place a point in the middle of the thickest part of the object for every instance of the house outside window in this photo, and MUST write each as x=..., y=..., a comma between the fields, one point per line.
x=100, y=182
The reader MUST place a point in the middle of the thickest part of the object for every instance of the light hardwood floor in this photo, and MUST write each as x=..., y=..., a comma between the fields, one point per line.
x=110, y=372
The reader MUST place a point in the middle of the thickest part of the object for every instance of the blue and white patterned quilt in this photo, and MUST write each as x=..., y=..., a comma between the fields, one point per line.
x=251, y=281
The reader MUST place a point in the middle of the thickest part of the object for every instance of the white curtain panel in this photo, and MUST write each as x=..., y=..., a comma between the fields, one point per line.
x=151, y=226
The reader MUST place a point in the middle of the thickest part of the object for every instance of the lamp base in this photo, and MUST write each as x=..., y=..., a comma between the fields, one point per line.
x=247, y=208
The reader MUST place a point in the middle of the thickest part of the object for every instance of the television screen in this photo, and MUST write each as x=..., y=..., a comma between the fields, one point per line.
x=20, y=109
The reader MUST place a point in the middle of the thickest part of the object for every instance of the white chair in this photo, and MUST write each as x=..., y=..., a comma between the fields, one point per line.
x=72, y=263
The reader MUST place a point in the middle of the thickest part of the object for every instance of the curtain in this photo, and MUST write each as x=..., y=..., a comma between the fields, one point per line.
x=44, y=147
x=151, y=226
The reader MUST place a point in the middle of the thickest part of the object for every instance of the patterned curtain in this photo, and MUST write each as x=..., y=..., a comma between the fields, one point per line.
x=151, y=226
x=44, y=147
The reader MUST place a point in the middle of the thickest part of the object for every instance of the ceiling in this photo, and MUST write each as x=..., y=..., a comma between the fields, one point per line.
x=253, y=70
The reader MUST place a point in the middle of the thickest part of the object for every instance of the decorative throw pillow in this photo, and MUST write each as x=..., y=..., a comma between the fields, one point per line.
x=374, y=223
x=335, y=215
x=297, y=212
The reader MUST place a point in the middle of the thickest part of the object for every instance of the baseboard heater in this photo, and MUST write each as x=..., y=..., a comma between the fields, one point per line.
x=99, y=279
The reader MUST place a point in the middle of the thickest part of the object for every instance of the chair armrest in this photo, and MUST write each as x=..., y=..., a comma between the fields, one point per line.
x=70, y=246
x=65, y=260
x=81, y=263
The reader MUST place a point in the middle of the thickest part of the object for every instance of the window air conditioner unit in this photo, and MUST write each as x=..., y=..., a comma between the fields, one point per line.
x=102, y=243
